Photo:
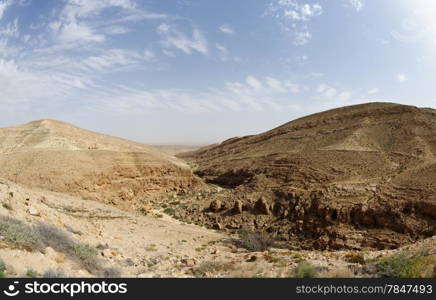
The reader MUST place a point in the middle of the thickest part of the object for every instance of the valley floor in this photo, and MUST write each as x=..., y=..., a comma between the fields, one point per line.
x=125, y=244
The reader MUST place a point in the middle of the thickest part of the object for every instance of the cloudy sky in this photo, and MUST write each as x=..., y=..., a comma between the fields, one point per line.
x=197, y=71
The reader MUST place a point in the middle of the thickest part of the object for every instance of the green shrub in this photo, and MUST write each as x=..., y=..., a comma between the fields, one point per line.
x=2, y=269
x=404, y=265
x=255, y=241
x=169, y=211
x=32, y=273
x=87, y=255
x=305, y=270
x=19, y=234
x=38, y=237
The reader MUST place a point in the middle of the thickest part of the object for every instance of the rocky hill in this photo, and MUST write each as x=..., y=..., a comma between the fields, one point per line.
x=60, y=157
x=356, y=177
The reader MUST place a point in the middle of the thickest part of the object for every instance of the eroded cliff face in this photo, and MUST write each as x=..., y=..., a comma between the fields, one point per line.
x=357, y=177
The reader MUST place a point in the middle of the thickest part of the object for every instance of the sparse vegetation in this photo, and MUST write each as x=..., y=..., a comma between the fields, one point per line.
x=151, y=247
x=19, y=234
x=406, y=265
x=52, y=273
x=55, y=237
x=2, y=269
x=212, y=267
x=87, y=255
x=112, y=272
x=305, y=270
x=255, y=241
x=355, y=258
x=31, y=273
x=169, y=211
x=38, y=237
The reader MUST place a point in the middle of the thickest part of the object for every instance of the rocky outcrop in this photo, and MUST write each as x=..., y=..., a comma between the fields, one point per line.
x=355, y=177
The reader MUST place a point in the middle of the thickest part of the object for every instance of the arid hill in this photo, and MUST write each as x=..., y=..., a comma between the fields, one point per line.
x=60, y=157
x=356, y=177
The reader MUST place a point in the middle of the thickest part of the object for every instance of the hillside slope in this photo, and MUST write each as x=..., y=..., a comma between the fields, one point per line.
x=353, y=177
x=61, y=157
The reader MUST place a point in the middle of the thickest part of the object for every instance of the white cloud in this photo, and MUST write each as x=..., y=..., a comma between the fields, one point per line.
x=175, y=39
x=255, y=94
x=322, y=88
x=84, y=21
x=373, y=91
x=74, y=32
x=227, y=29
x=223, y=52
x=253, y=82
x=4, y=5
x=330, y=93
x=294, y=17
x=402, y=77
x=356, y=4
x=344, y=96
x=302, y=38
x=11, y=29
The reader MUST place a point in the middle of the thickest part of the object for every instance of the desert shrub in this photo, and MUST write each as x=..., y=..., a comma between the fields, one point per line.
x=169, y=211
x=31, y=273
x=404, y=265
x=19, y=234
x=305, y=270
x=52, y=273
x=255, y=241
x=355, y=258
x=212, y=267
x=54, y=237
x=112, y=272
x=2, y=269
x=87, y=255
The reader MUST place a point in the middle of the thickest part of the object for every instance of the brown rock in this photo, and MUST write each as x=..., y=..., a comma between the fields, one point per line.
x=215, y=205
x=263, y=207
x=190, y=262
x=253, y=258
x=238, y=207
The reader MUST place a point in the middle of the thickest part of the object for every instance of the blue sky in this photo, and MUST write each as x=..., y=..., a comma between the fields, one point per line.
x=197, y=71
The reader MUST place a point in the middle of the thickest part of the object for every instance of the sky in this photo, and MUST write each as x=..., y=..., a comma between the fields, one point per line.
x=202, y=71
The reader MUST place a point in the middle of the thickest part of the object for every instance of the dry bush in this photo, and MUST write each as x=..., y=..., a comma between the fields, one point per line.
x=355, y=258
x=212, y=267
x=255, y=241
x=19, y=234
x=305, y=270
x=112, y=272
x=52, y=273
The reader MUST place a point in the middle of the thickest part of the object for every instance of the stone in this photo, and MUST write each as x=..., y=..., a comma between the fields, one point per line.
x=33, y=212
x=263, y=207
x=215, y=205
x=253, y=258
x=109, y=253
x=218, y=226
x=190, y=262
x=238, y=207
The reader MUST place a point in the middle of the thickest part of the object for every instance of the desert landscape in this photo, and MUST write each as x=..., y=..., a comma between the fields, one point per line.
x=349, y=192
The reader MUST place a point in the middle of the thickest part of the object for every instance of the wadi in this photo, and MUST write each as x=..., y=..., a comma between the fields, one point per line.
x=349, y=192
